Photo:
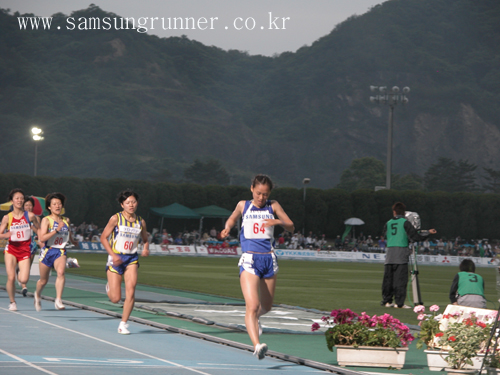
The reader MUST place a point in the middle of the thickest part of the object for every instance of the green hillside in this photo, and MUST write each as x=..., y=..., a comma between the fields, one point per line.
x=121, y=104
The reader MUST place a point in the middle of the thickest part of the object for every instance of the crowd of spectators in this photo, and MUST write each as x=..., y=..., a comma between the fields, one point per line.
x=439, y=246
x=298, y=241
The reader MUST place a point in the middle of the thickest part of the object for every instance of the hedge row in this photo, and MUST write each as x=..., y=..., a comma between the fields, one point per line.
x=94, y=200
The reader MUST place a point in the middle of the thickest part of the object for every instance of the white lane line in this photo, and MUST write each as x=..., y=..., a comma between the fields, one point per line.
x=107, y=342
x=26, y=362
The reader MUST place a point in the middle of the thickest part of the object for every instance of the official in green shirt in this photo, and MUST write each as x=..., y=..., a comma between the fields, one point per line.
x=467, y=288
x=398, y=232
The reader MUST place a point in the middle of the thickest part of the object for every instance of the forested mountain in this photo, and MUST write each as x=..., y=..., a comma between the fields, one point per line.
x=131, y=105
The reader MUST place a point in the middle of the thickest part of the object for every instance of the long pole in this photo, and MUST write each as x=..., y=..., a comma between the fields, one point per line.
x=36, y=153
x=389, y=149
x=304, y=228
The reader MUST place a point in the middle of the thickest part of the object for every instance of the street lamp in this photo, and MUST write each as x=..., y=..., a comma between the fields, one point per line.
x=390, y=97
x=305, y=181
x=37, y=136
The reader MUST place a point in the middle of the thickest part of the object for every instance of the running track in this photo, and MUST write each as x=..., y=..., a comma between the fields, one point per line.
x=77, y=342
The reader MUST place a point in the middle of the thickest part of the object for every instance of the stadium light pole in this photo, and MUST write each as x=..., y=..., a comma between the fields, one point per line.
x=305, y=181
x=390, y=97
x=36, y=133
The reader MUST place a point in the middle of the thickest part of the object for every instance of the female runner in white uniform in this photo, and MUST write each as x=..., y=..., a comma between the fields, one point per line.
x=258, y=264
x=55, y=233
x=120, y=238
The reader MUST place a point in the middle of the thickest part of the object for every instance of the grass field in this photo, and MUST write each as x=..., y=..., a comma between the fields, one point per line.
x=312, y=284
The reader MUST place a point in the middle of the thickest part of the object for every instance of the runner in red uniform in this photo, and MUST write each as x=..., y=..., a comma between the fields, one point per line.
x=17, y=252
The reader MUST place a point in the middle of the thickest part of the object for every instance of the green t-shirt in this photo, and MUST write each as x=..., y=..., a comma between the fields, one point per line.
x=470, y=283
x=396, y=234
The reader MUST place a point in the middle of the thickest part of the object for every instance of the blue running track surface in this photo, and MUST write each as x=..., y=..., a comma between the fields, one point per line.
x=75, y=342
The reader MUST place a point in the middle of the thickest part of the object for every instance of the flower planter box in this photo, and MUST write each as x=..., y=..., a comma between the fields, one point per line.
x=492, y=371
x=371, y=356
x=436, y=360
x=451, y=371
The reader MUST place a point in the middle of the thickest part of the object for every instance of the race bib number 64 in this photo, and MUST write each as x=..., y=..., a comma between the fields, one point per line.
x=254, y=229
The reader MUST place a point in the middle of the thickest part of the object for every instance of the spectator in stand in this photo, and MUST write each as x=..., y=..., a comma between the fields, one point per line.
x=369, y=241
x=295, y=241
x=449, y=247
x=281, y=241
x=481, y=250
x=488, y=251
x=309, y=240
x=164, y=237
x=427, y=246
x=361, y=237
x=178, y=239
x=440, y=246
x=157, y=238
x=382, y=244
x=302, y=241
x=322, y=242
x=213, y=233
x=205, y=237
x=81, y=229
x=338, y=243
x=346, y=243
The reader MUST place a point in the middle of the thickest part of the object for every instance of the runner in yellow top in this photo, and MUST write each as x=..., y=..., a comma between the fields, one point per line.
x=55, y=234
x=120, y=238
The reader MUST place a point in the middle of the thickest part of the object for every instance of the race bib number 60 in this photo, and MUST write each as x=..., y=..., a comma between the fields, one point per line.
x=255, y=229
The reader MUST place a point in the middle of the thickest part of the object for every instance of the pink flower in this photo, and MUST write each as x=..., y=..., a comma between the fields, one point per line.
x=434, y=308
x=492, y=315
x=421, y=317
x=315, y=327
x=419, y=309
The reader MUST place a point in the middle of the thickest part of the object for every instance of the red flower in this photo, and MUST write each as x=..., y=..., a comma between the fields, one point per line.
x=452, y=338
x=439, y=334
x=481, y=324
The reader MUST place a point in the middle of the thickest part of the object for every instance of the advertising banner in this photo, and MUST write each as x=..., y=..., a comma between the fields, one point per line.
x=222, y=250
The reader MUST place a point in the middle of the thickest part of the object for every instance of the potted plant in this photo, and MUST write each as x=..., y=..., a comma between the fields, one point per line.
x=455, y=342
x=363, y=340
x=465, y=339
x=429, y=328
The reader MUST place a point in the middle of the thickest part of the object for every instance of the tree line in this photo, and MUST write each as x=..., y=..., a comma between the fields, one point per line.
x=469, y=215
x=446, y=175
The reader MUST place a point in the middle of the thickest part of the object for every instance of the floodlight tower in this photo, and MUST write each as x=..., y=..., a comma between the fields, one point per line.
x=36, y=133
x=390, y=97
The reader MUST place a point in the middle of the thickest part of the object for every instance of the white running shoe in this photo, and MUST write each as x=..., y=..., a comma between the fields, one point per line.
x=122, y=328
x=38, y=304
x=402, y=307
x=12, y=306
x=389, y=304
x=260, y=351
x=58, y=304
x=260, y=328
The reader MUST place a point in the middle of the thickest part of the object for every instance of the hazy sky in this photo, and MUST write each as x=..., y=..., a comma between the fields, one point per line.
x=308, y=19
